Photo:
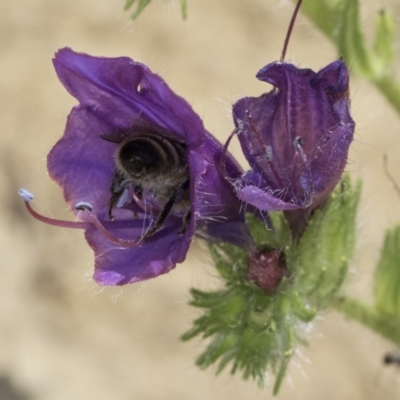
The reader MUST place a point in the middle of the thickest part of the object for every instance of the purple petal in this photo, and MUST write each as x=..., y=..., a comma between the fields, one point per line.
x=119, y=90
x=263, y=200
x=116, y=265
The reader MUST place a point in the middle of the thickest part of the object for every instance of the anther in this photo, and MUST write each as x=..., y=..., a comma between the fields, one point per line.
x=83, y=206
x=239, y=128
x=223, y=155
x=268, y=153
x=26, y=195
x=298, y=144
x=87, y=209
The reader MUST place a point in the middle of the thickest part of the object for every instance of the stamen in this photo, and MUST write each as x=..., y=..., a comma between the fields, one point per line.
x=223, y=156
x=268, y=150
x=26, y=195
x=114, y=239
x=289, y=31
x=87, y=209
x=298, y=143
x=83, y=206
x=268, y=153
x=55, y=222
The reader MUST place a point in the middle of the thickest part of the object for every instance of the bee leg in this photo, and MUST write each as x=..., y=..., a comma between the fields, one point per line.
x=176, y=197
x=161, y=217
x=185, y=221
x=119, y=193
x=138, y=191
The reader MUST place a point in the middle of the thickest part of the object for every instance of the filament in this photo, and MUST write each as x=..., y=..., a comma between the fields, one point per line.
x=94, y=221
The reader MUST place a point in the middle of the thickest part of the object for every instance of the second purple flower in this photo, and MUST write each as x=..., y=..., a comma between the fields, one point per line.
x=296, y=137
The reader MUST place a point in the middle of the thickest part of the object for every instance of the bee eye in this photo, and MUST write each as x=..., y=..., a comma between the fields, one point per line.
x=139, y=156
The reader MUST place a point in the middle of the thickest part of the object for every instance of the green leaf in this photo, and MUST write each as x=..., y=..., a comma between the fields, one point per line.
x=384, y=46
x=350, y=41
x=384, y=324
x=140, y=7
x=277, y=235
x=324, y=13
x=144, y=3
x=387, y=278
x=183, y=8
x=128, y=4
x=339, y=20
x=321, y=259
x=254, y=331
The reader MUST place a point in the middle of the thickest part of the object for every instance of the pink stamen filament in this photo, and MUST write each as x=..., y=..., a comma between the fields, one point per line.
x=83, y=225
x=109, y=235
x=57, y=222
x=223, y=157
x=308, y=169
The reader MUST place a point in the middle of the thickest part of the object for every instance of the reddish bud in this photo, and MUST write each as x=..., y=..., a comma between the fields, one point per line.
x=267, y=268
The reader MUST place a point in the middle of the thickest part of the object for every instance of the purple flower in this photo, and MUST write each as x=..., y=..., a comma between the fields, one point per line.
x=138, y=168
x=296, y=137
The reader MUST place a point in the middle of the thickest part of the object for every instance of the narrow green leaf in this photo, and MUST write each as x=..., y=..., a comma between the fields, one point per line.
x=183, y=8
x=384, y=46
x=128, y=4
x=350, y=41
x=384, y=324
x=320, y=261
x=141, y=6
x=277, y=235
x=387, y=277
x=339, y=20
x=325, y=14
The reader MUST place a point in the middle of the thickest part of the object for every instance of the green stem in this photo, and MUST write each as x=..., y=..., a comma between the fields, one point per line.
x=317, y=11
x=386, y=325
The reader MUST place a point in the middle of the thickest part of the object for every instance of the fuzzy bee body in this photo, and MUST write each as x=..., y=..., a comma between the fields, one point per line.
x=155, y=165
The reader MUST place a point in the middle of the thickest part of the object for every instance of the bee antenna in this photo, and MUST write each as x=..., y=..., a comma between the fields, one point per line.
x=290, y=29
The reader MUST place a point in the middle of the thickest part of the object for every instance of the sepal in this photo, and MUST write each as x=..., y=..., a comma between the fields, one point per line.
x=387, y=276
x=258, y=331
x=142, y=4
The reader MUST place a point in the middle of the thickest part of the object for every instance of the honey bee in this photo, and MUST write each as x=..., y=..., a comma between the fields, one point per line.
x=150, y=161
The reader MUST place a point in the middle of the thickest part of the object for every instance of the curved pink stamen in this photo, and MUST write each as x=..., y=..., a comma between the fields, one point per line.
x=114, y=239
x=223, y=157
x=57, y=222
x=94, y=221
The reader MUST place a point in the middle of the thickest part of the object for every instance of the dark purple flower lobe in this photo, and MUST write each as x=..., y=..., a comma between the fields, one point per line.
x=296, y=137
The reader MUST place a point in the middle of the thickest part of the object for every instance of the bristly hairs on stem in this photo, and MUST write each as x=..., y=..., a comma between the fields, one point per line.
x=290, y=29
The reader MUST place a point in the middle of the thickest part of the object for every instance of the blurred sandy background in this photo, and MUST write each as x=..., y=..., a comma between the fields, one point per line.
x=61, y=336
